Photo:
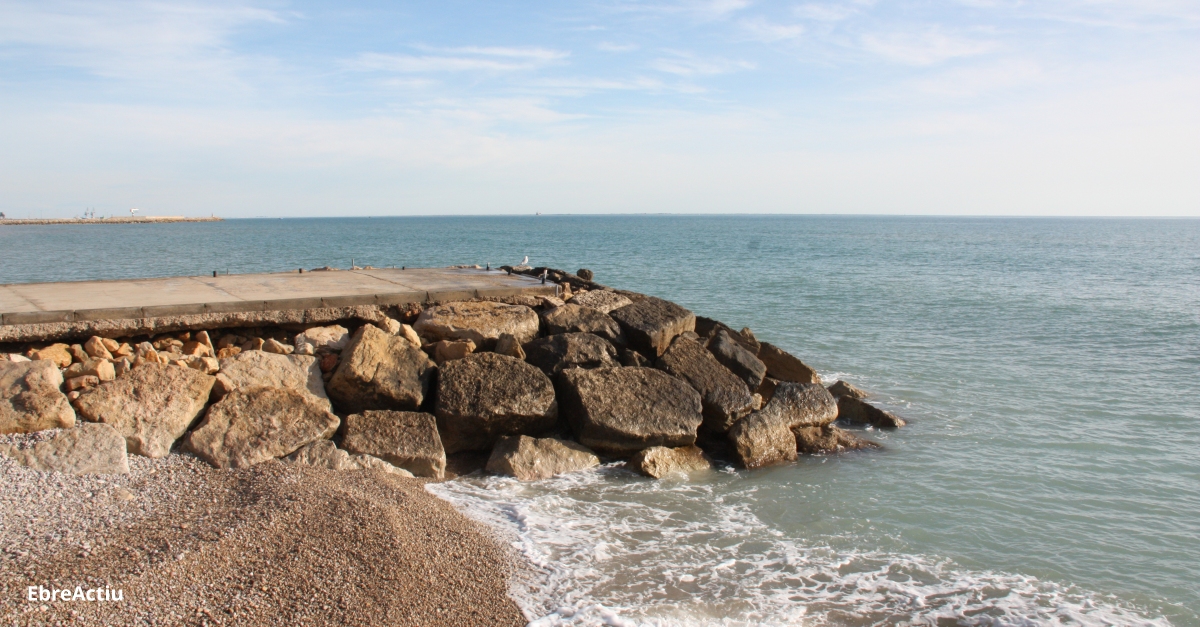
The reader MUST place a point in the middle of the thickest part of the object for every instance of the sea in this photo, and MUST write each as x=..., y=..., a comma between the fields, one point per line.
x=1049, y=370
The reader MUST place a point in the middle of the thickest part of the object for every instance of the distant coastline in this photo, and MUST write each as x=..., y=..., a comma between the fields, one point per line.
x=113, y=220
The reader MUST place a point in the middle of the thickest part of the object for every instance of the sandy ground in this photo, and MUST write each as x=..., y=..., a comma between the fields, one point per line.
x=275, y=545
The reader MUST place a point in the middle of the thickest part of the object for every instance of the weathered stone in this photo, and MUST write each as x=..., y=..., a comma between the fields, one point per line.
x=151, y=407
x=122, y=366
x=829, y=439
x=197, y=349
x=110, y=344
x=765, y=437
x=508, y=345
x=253, y=344
x=767, y=389
x=328, y=363
x=842, y=388
x=261, y=369
x=444, y=351
x=31, y=398
x=565, y=291
x=660, y=461
x=78, y=354
x=624, y=410
x=79, y=383
x=783, y=366
x=60, y=354
x=88, y=449
x=724, y=397
x=15, y=358
x=707, y=328
x=741, y=362
x=252, y=425
x=95, y=348
x=634, y=359
x=380, y=371
x=485, y=395
x=481, y=322
x=410, y=334
x=404, y=439
x=855, y=411
x=207, y=365
x=604, y=301
x=531, y=459
x=573, y=318
x=329, y=339
x=101, y=368
x=279, y=348
x=556, y=353
x=388, y=325
x=123, y=350
x=228, y=351
x=325, y=454
x=651, y=323
x=550, y=302
x=203, y=338
x=585, y=274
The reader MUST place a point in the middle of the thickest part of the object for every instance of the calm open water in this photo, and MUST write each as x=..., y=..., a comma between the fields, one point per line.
x=1050, y=369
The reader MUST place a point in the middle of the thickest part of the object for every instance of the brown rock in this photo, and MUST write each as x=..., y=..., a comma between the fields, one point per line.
x=31, y=399
x=404, y=439
x=95, y=348
x=481, y=322
x=604, y=301
x=79, y=383
x=124, y=350
x=380, y=371
x=854, y=411
x=252, y=425
x=277, y=347
x=262, y=369
x=574, y=318
x=253, y=344
x=88, y=449
x=556, y=353
x=785, y=367
x=100, y=368
x=485, y=395
x=842, y=388
x=78, y=354
x=228, y=352
x=765, y=437
x=725, y=397
x=109, y=344
x=60, y=354
x=445, y=351
x=740, y=361
x=651, y=323
x=829, y=439
x=707, y=328
x=325, y=454
x=508, y=345
x=151, y=407
x=585, y=274
x=198, y=349
x=660, y=461
x=531, y=459
x=624, y=410
x=329, y=362
x=330, y=339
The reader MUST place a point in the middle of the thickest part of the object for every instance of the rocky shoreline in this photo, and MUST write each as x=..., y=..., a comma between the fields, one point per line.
x=525, y=386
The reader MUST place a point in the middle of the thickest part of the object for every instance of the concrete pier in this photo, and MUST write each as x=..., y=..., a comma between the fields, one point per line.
x=43, y=311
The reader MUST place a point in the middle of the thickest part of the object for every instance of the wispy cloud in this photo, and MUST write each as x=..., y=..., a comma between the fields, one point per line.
x=925, y=47
x=462, y=59
x=687, y=64
x=760, y=29
x=606, y=46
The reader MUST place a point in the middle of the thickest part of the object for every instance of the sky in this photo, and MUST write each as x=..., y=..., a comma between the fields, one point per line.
x=245, y=109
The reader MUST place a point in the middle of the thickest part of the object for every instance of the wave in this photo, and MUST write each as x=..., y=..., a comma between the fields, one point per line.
x=605, y=548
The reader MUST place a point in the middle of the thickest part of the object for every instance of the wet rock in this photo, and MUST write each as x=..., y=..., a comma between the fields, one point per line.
x=252, y=425
x=88, y=449
x=573, y=318
x=842, y=388
x=855, y=411
x=724, y=397
x=60, y=354
x=445, y=351
x=485, y=396
x=325, y=454
x=741, y=362
x=262, y=369
x=481, y=322
x=604, y=301
x=151, y=407
x=624, y=410
x=829, y=439
x=783, y=366
x=380, y=371
x=660, y=461
x=31, y=398
x=556, y=353
x=765, y=437
x=651, y=323
x=508, y=345
x=330, y=339
x=531, y=459
x=407, y=440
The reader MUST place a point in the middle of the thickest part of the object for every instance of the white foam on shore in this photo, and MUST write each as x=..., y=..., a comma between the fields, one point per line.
x=610, y=549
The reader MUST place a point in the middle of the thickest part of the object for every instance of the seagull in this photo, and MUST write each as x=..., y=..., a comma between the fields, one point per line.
x=525, y=261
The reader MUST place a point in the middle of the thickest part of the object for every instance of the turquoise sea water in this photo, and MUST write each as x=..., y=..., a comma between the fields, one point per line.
x=1050, y=369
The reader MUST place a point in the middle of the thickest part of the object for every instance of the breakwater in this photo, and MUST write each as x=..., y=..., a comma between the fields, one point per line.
x=112, y=220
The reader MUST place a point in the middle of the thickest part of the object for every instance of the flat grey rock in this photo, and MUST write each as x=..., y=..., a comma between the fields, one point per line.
x=482, y=322
x=253, y=425
x=624, y=410
x=484, y=396
x=87, y=449
x=404, y=439
x=651, y=323
x=531, y=459
x=555, y=353
x=573, y=318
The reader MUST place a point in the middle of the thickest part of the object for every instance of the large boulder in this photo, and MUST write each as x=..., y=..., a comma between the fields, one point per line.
x=765, y=437
x=725, y=398
x=707, y=329
x=603, y=301
x=740, y=361
x=31, y=397
x=660, y=461
x=531, y=459
x=843, y=388
x=785, y=367
x=88, y=449
x=151, y=407
x=485, y=395
x=481, y=322
x=856, y=411
x=829, y=439
x=405, y=439
x=252, y=425
x=573, y=318
x=624, y=410
x=262, y=369
x=556, y=353
x=326, y=454
x=651, y=323
x=380, y=371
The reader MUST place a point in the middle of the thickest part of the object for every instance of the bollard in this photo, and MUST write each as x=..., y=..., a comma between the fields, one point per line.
x=214, y=274
x=300, y=270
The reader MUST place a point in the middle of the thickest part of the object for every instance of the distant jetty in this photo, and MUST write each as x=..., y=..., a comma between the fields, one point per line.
x=113, y=220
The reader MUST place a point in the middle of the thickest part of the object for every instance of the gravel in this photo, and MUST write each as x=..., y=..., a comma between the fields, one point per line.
x=273, y=544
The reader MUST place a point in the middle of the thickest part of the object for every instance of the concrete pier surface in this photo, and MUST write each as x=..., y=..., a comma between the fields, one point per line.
x=42, y=311
x=112, y=220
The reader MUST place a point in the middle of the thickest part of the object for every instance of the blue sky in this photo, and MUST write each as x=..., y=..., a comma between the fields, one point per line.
x=995, y=107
